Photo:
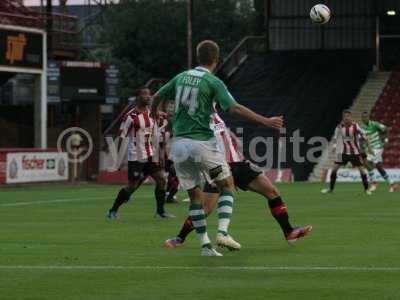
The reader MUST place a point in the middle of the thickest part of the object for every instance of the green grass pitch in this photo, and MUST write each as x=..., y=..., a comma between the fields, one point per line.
x=55, y=243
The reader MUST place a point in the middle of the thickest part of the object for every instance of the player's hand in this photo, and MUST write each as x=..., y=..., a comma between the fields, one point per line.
x=274, y=122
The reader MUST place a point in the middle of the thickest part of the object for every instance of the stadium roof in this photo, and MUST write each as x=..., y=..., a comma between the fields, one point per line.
x=69, y=2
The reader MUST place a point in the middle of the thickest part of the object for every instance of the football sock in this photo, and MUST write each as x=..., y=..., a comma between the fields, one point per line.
x=384, y=174
x=225, y=208
x=279, y=211
x=333, y=181
x=371, y=174
x=160, y=198
x=187, y=228
x=196, y=212
x=123, y=196
x=364, y=178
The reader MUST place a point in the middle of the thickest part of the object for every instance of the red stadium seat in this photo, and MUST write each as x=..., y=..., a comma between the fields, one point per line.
x=387, y=111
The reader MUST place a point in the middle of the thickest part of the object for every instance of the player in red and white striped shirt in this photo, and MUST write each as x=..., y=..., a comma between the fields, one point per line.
x=139, y=127
x=246, y=177
x=227, y=141
x=348, y=136
x=166, y=136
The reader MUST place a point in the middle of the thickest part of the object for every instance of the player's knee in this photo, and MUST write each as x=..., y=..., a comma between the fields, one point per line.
x=273, y=192
x=225, y=184
x=207, y=208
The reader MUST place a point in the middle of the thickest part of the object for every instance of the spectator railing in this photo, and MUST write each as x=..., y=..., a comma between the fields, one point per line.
x=240, y=53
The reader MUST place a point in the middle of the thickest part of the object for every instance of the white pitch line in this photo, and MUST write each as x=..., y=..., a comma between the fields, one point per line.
x=190, y=268
x=61, y=201
x=53, y=201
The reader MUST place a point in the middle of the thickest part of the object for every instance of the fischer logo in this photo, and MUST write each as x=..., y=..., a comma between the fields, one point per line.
x=32, y=164
x=347, y=174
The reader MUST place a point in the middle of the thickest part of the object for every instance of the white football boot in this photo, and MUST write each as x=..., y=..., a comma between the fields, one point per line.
x=326, y=191
x=228, y=242
x=205, y=251
x=373, y=187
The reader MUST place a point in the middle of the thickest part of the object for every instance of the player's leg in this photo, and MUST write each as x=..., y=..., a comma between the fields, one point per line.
x=370, y=166
x=214, y=166
x=364, y=178
x=332, y=182
x=172, y=183
x=377, y=159
x=333, y=177
x=135, y=179
x=382, y=171
x=198, y=216
x=225, y=209
x=249, y=177
x=211, y=195
x=159, y=192
x=357, y=162
x=190, y=176
x=369, y=161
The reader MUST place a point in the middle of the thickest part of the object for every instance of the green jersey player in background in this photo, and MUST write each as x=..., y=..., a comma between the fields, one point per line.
x=195, y=151
x=377, y=136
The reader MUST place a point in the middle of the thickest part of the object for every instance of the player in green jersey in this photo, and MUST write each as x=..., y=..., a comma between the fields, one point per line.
x=194, y=150
x=377, y=135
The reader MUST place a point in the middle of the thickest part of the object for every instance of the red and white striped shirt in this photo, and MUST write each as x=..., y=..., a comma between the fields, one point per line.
x=349, y=137
x=227, y=141
x=163, y=136
x=139, y=127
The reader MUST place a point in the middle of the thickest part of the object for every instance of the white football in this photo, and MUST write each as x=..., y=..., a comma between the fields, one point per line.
x=320, y=14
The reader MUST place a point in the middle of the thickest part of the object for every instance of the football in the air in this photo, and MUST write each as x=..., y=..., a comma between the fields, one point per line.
x=320, y=14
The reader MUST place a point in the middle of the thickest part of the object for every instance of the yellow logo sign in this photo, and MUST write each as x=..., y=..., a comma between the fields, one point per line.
x=15, y=48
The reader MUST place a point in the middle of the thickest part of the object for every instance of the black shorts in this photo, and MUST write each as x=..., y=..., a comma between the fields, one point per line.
x=169, y=168
x=243, y=174
x=138, y=170
x=354, y=159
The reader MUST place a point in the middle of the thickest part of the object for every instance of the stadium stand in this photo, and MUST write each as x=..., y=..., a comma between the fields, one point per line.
x=13, y=12
x=387, y=111
x=64, y=42
x=365, y=101
x=310, y=88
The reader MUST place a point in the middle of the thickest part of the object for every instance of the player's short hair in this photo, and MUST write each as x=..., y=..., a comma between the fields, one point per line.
x=139, y=90
x=207, y=52
x=346, y=111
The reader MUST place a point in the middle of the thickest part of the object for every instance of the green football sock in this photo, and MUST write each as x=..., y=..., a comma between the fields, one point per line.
x=198, y=216
x=225, y=208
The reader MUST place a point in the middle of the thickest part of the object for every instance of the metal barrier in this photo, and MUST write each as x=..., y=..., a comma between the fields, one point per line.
x=63, y=36
x=250, y=44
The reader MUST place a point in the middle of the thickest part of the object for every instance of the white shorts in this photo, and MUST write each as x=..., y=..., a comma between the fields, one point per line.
x=376, y=157
x=196, y=161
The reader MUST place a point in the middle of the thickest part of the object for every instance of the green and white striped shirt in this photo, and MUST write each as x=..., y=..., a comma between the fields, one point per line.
x=373, y=132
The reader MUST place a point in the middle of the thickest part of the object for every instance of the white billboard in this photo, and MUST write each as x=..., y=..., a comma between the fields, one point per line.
x=36, y=167
x=353, y=175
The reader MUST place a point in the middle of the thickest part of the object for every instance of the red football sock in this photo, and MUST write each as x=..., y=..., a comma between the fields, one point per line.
x=186, y=228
